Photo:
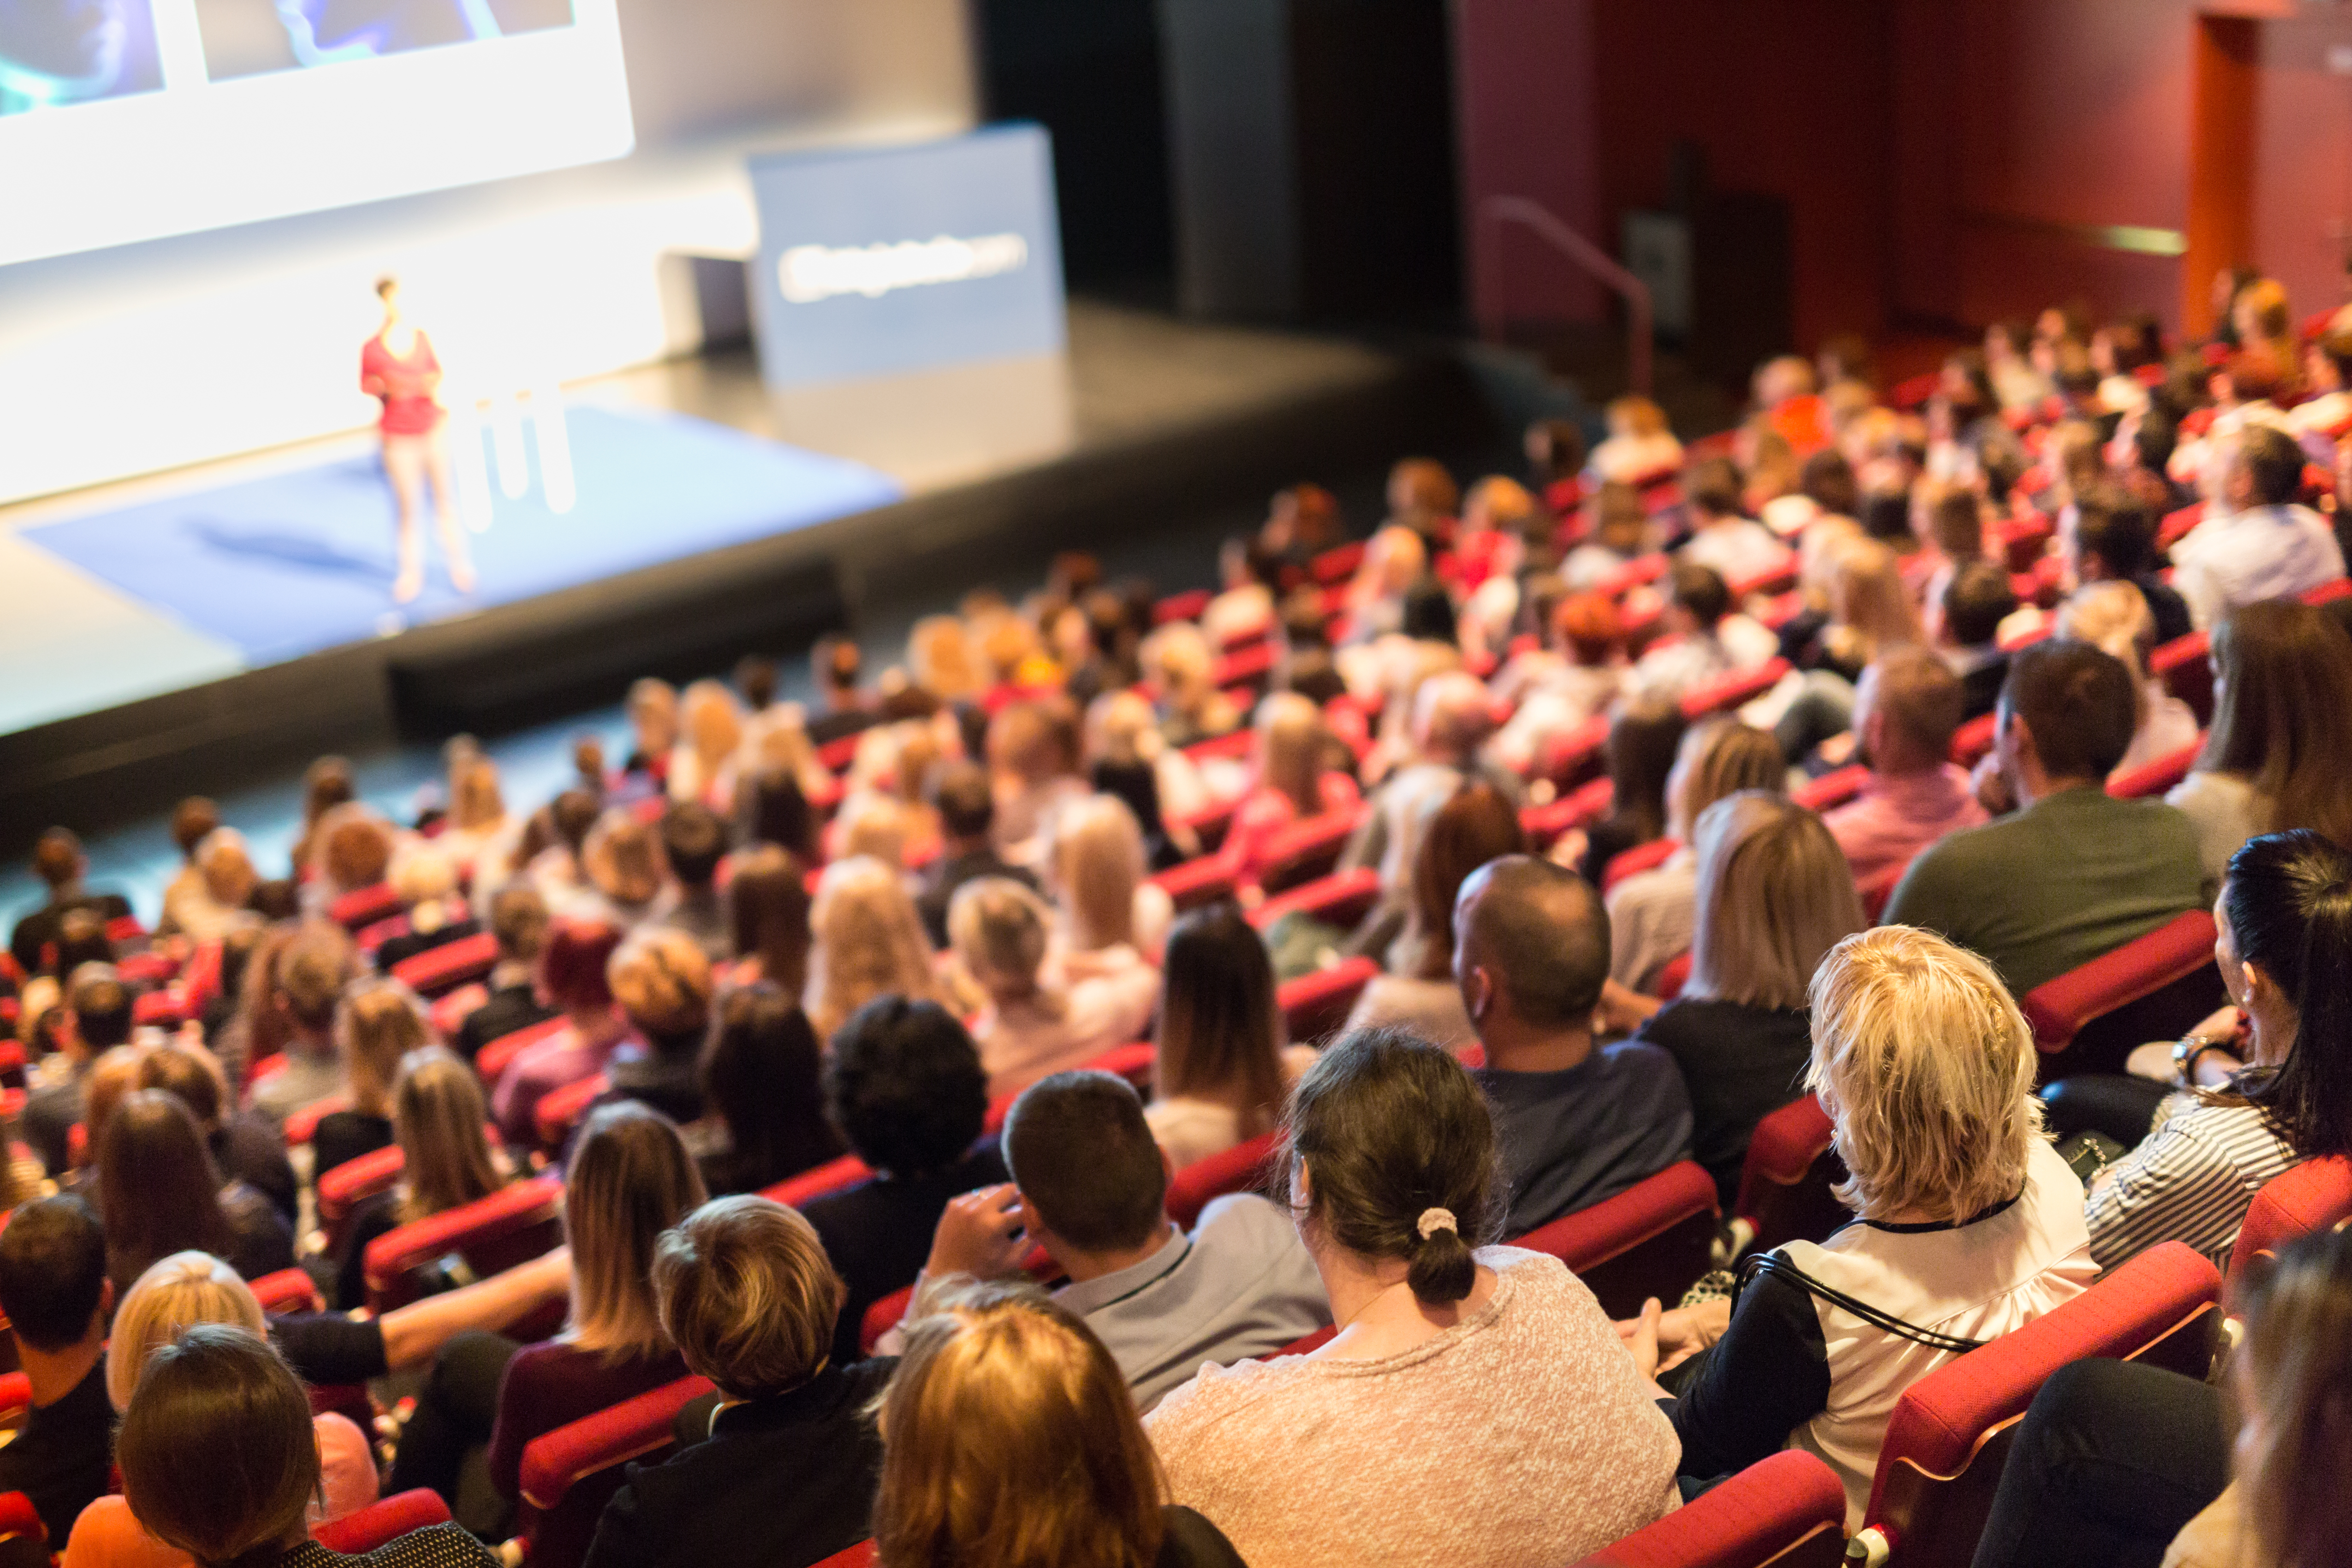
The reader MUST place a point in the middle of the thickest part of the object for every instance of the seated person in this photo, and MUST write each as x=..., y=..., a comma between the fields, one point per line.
x=748, y=1295
x=1906, y=709
x=58, y=862
x=447, y=1160
x=1032, y=751
x=1577, y=1123
x=426, y=883
x=1971, y=1224
x=1032, y=1026
x=2076, y=872
x=245, y=1148
x=1310, y=1460
x=1220, y=1072
x=1294, y=778
x=1706, y=637
x=519, y=924
x=571, y=976
x=1005, y=1396
x=1773, y=897
x=1979, y=600
x=1621, y=533
x=1735, y=547
x=694, y=841
x=96, y=1018
x=2113, y=540
x=378, y=1023
x=2256, y=542
x=836, y=663
x=160, y=1193
x=903, y=1082
x=1652, y=913
x=663, y=984
x=312, y=972
x=960, y=792
x=1638, y=449
x=2114, y=616
x=54, y=1288
x=1477, y=825
x=220, y=1459
x=759, y=1076
x=1091, y=1187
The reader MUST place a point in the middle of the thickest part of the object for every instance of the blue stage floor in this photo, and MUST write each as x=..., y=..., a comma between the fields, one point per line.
x=296, y=563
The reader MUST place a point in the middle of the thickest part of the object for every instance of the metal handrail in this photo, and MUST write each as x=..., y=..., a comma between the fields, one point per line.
x=1495, y=212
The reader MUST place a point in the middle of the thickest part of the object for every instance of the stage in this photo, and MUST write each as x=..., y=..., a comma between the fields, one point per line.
x=238, y=616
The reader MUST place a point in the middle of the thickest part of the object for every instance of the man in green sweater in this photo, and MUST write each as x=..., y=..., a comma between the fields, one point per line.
x=2072, y=873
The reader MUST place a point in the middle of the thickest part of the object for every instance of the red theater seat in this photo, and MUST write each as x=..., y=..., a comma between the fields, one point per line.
x=1569, y=759
x=1654, y=1239
x=288, y=1291
x=493, y=1234
x=2312, y=1196
x=1878, y=889
x=2182, y=666
x=1186, y=606
x=302, y=1125
x=363, y=907
x=560, y=1110
x=1730, y=691
x=497, y=1055
x=1341, y=899
x=437, y=970
x=570, y=1474
x=1249, y=667
x=1634, y=861
x=19, y=1520
x=1205, y=879
x=2155, y=778
x=449, y=1013
x=1306, y=850
x=1787, y=1512
x=1315, y=1004
x=1973, y=740
x=1831, y=789
x=830, y=1178
x=858, y=1556
x=352, y=1183
x=1951, y=1430
x=1244, y=1168
x=1579, y=808
x=2153, y=988
x=1785, y=1180
x=382, y=1522
x=15, y=1399
x=1131, y=1062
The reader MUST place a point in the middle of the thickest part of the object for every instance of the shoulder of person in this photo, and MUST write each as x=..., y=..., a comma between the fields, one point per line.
x=1248, y=1218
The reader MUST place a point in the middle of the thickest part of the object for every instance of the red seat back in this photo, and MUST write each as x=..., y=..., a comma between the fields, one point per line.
x=1203, y=879
x=830, y=1178
x=1306, y=850
x=15, y=1398
x=302, y=1125
x=2312, y=1196
x=19, y=1520
x=1244, y=1168
x=493, y=1234
x=1787, y=1512
x=2153, y=987
x=2181, y=665
x=570, y=1474
x=1341, y=899
x=1634, y=861
x=559, y=1111
x=351, y=1183
x=1569, y=759
x=1673, y=976
x=1315, y=1004
x=497, y=1055
x=363, y=907
x=858, y=1556
x=1950, y=1431
x=1184, y=607
x=2156, y=777
x=1831, y=789
x=1656, y=1239
x=1577, y=808
x=288, y=1291
x=383, y=1521
x=1726, y=693
x=1133, y=1062
x=1785, y=1181
x=437, y=970
x=1973, y=740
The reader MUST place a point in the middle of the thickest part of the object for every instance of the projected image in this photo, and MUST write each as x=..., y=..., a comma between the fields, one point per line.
x=250, y=38
x=60, y=52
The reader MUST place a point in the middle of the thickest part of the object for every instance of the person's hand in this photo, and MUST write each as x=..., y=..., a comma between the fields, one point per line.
x=1568, y=849
x=2225, y=1023
x=1639, y=1337
x=1990, y=785
x=1686, y=1331
x=980, y=1234
x=1622, y=1009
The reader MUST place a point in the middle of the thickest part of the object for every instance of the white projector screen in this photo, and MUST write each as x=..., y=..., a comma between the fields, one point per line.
x=132, y=119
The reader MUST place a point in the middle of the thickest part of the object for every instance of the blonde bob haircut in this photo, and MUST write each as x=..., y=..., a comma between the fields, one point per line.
x=998, y=930
x=378, y=1022
x=1010, y=1441
x=748, y=1295
x=1098, y=863
x=1775, y=893
x=184, y=1289
x=1925, y=1067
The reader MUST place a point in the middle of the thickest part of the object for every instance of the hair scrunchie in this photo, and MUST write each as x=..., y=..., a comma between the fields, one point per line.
x=1434, y=1220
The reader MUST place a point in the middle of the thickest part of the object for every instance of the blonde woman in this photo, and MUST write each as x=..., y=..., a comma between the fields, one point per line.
x=1638, y=446
x=177, y=1292
x=869, y=943
x=627, y=873
x=1295, y=778
x=1394, y=560
x=479, y=833
x=440, y=1121
x=1652, y=913
x=939, y=656
x=1178, y=664
x=1971, y=1224
x=702, y=764
x=1029, y=1028
x=425, y=878
x=380, y=1022
x=1113, y=918
x=1010, y=1441
x=2114, y=618
x=1774, y=895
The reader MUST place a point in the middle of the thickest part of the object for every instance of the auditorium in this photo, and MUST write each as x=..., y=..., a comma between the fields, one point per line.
x=1175, y=783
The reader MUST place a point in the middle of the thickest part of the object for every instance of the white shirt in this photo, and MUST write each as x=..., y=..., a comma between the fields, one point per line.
x=2245, y=557
x=1737, y=549
x=1023, y=1042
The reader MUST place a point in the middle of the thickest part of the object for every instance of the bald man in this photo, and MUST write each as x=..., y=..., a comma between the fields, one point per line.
x=1578, y=1122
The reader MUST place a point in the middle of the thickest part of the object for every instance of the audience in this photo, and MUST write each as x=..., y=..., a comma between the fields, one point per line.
x=960, y=793
x=244, y=1146
x=1476, y=827
x=426, y=883
x=1971, y=1223
x=572, y=978
x=2113, y=540
x=1090, y=1187
x=1906, y=709
x=768, y=909
x=2073, y=872
x=694, y=842
x=1295, y=776
x=1652, y=913
x=58, y=862
x=1220, y=1073
x=1577, y=1121
x=1737, y=549
x=519, y=924
x=1113, y=921
x=378, y=1023
x=447, y=1160
x=309, y=977
x=663, y=984
x=95, y=1018
x=2113, y=618
x=1031, y=1026
x=1459, y=1369
x=2258, y=543
x=1980, y=599
x=869, y=943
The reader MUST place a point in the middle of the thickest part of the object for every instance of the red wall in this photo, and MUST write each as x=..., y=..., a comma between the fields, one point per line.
x=1523, y=74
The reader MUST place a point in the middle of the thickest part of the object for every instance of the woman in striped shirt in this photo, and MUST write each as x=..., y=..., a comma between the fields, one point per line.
x=2285, y=950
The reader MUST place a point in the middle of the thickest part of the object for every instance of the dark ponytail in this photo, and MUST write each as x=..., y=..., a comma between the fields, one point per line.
x=1397, y=1142
x=2288, y=900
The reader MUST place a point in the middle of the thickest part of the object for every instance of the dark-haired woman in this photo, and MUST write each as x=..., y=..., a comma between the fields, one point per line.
x=1221, y=1071
x=161, y=1194
x=759, y=1082
x=1456, y=1374
x=2285, y=950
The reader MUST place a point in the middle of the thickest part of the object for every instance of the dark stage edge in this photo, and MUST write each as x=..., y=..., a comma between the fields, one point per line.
x=530, y=660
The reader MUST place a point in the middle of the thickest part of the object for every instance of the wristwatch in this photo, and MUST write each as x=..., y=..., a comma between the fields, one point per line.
x=2186, y=1052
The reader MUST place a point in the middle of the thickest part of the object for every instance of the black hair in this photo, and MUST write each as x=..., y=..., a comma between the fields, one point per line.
x=2115, y=527
x=1428, y=614
x=760, y=1072
x=2077, y=700
x=755, y=678
x=1711, y=485
x=770, y=809
x=2288, y=899
x=102, y=1007
x=1701, y=590
x=52, y=1270
x=1827, y=481
x=1390, y=1128
x=1887, y=516
x=959, y=792
x=1979, y=599
x=1084, y=1158
x=904, y=1084
x=695, y=841
x=2273, y=462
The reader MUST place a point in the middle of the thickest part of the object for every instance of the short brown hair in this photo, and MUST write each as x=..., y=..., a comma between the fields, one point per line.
x=2079, y=702
x=518, y=921
x=746, y=1291
x=661, y=980
x=218, y=1450
x=1922, y=699
x=57, y=856
x=1084, y=1158
x=311, y=971
x=190, y=820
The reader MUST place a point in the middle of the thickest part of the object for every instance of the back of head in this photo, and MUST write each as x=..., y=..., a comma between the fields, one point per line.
x=1428, y=611
x=755, y=680
x=1013, y=1442
x=1085, y=1161
x=1478, y=824
x=873, y=940
x=519, y=921
x=102, y=1005
x=1721, y=757
x=57, y=858
x=1926, y=1068
x=2292, y=1381
x=380, y=1022
x=218, y=1451
x=81, y=942
x=2113, y=525
x=1827, y=481
x=960, y=792
x=424, y=875
x=175, y=1293
x=1956, y=523
x=630, y=1179
x=194, y=1078
x=2288, y=902
x=2272, y=464
x=623, y=861
x=2079, y=702
x=903, y=1082
x=2114, y=616
x=574, y=814
x=661, y=980
x=192, y=819
x=1219, y=1028
x=1774, y=894
x=1701, y=594
x=438, y=1111
x=573, y=964
x=694, y=840
x=1643, y=739
x=1098, y=859
x=312, y=972
x=1392, y=1148
x=1452, y=714
x=1540, y=930
x=998, y=929
x=748, y=1295
x=354, y=847
x=1922, y=700
x=1979, y=598
x=52, y=1271
x=760, y=1070
x=1711, y=489
x=2269, y=657
x=768, y=900
x=156, y=1183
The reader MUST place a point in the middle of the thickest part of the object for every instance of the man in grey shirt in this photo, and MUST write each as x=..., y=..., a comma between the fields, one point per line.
x=1091, y=1187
